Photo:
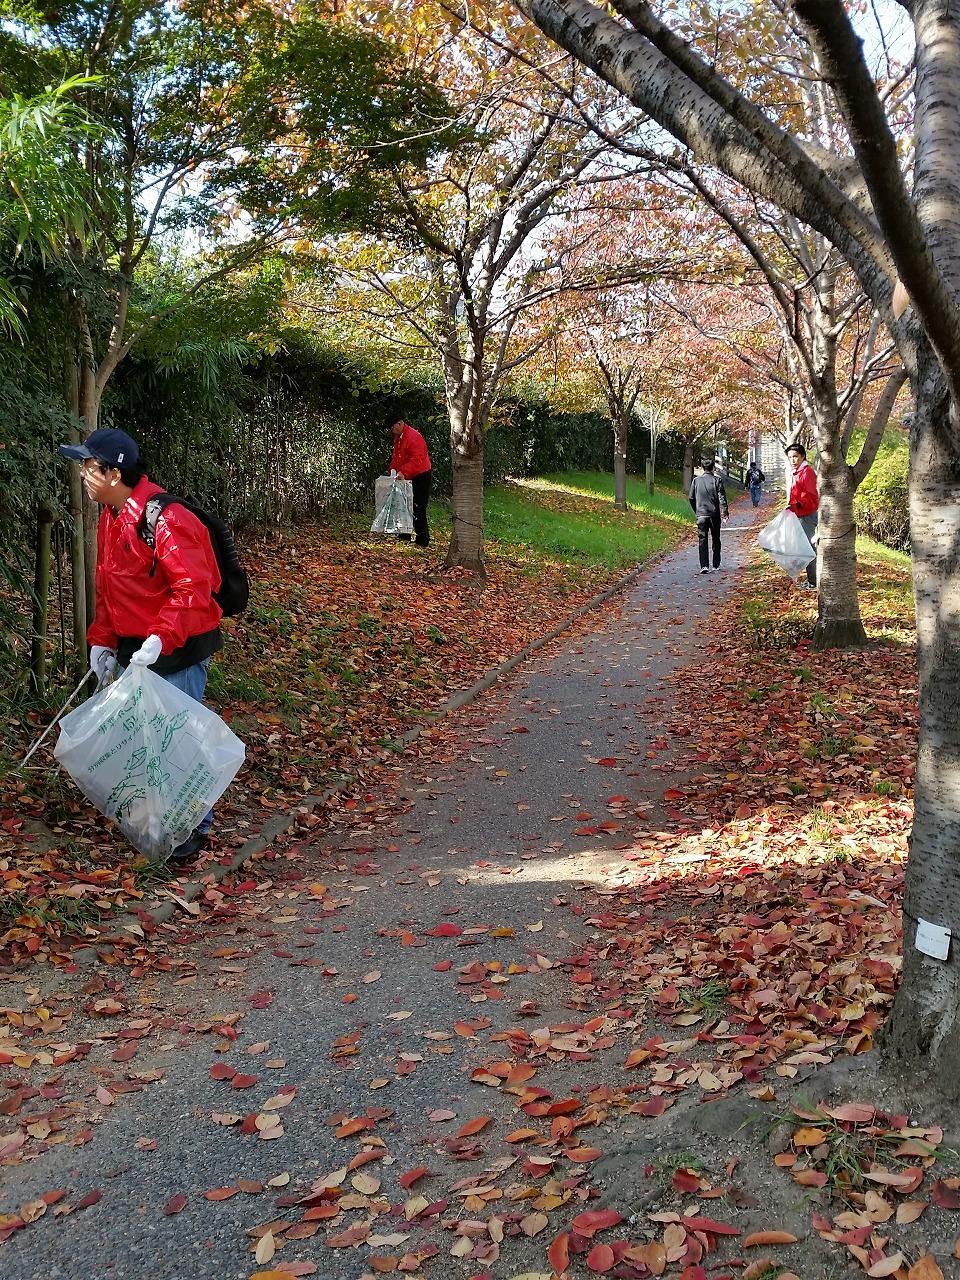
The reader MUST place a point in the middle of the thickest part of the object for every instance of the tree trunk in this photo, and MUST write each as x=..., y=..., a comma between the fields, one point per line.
x=924, y=1027
x=620, y=429
x=41, y=599
x=75, y=507
x=687, y=466
x=923, y=1031
x=90, y=398
x=464, y=387
x=839, y=625
x=466, y=539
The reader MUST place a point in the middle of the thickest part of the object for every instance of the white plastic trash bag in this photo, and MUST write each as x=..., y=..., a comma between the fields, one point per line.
x=394, y=501
x=784, y=537
x=381, y=490
x=150, y=757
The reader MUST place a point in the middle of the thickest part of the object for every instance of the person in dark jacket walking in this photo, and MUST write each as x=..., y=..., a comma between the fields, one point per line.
x=709, y=501
x=754, y=479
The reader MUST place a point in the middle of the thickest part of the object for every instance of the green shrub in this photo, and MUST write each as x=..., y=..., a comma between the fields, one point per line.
x=881, y=506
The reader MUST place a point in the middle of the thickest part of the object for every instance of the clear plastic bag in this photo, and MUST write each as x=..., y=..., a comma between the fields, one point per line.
x=150, y=757
x=394, y=500
x=784, y=537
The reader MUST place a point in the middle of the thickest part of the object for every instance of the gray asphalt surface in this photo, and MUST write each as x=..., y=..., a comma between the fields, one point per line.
x=480, y=833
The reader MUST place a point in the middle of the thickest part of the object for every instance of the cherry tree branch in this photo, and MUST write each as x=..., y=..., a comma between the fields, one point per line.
x=840, y=52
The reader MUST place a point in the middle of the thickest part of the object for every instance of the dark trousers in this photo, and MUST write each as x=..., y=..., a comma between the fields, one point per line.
x=810, y=529
x=421, y=496
x=708, y=527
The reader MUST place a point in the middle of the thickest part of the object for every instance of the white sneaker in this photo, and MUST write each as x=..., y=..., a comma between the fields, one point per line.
x=716, y=568
x=704, y=570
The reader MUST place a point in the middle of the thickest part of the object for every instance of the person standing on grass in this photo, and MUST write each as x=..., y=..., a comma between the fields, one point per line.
x=804, y=502
x=154, y=605
x=753, y=480
x=412, y=461
x=709, y=501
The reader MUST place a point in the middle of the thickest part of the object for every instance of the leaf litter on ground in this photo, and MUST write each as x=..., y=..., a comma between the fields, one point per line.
x=755, y=936
x=348, y=643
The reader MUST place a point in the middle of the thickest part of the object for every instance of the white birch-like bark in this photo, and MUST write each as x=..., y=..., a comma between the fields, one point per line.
x=464, y=390
x=839, y=624
x=925, y=1023
x=621, y=430
x=936, y=189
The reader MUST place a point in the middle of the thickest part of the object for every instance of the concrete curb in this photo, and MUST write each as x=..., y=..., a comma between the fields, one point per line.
x=162, y=911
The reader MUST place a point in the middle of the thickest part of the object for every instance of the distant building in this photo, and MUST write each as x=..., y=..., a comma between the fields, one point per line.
x=769, y=453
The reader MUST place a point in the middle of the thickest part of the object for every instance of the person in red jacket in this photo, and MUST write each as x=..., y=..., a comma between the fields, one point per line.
x=154, y=606
x=804, y=502
x=412, y=461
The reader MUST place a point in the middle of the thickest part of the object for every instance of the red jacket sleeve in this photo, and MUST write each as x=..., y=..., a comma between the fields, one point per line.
x=397, y=456
x=100, y=630
x=185, y=558
x=804, y=498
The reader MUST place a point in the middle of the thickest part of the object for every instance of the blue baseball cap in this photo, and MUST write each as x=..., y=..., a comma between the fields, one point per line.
x=108, y=445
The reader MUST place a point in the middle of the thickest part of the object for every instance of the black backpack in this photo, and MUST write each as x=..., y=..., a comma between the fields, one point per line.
x=234, y=592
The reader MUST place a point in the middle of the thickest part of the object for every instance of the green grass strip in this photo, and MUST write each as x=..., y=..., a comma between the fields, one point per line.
x=575, y=525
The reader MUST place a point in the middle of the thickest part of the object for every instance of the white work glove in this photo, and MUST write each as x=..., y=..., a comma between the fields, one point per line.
x=148, y=652
x=393, y=475
x=102, y=661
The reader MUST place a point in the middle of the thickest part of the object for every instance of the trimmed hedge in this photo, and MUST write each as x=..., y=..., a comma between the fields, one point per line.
x=305, y=431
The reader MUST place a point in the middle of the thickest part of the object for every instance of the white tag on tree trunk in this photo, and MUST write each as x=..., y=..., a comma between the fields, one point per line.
x=932, y=940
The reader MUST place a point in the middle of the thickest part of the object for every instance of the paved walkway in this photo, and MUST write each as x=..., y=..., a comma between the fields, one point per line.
x=351, y=995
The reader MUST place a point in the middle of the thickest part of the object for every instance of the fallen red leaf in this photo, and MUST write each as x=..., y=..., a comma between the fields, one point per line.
x=654, y=1106
x=473, y=1126
x=946, y=1195
x=594, y=1220
x=768, y=1238
x=558, y=1253
x=708, y=1224
x=351, y=1127
x=601, y=1258
x=852, y=1112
